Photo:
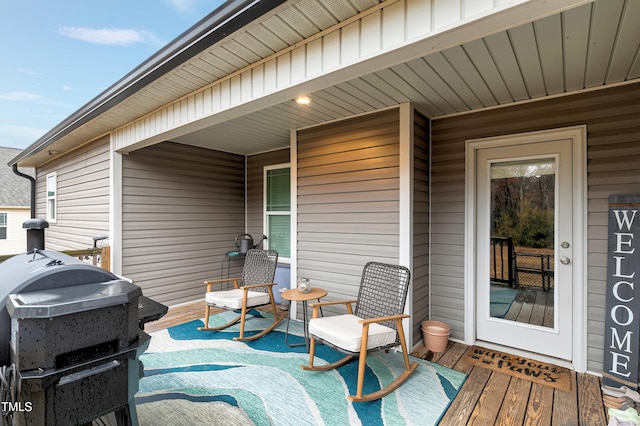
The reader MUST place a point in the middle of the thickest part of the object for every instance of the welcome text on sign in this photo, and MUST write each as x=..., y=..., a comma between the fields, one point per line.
x=622, y=325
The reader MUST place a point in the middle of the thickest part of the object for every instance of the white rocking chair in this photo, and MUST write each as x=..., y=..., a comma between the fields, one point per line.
x=375, y=324
x=253, y=289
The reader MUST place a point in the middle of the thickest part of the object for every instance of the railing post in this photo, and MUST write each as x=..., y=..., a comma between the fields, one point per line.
x=511, y=258
x=105, y=258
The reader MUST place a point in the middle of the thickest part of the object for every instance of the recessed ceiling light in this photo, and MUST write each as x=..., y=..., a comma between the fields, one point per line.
x=303, y=100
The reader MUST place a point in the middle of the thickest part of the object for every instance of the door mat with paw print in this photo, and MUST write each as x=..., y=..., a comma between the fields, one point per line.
x=521, y=367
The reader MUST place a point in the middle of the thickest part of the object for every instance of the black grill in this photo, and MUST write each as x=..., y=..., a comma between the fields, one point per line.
x=73, y=338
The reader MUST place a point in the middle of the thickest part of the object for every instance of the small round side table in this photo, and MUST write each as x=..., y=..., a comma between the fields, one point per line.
x=294, y=295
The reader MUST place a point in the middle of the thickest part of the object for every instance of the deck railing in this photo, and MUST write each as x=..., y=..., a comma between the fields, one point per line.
x=503, y=262
x=535, y=269
x=515, y=268
x=96, y=256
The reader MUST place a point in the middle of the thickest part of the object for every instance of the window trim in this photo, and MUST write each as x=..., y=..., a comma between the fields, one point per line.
x=51, y=218
x=5, y=226
x=265, y=214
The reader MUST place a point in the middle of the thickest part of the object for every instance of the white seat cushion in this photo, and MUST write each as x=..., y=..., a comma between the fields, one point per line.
x=344, y=331
x=232, y=299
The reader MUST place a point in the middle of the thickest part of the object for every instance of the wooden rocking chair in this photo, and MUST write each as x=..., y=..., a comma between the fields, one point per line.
x=376, y=323
x=253, y=289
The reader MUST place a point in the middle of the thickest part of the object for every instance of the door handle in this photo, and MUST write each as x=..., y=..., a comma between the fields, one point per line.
x=565, y=260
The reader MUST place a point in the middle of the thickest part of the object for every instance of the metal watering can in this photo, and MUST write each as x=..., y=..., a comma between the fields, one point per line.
x=244, y=243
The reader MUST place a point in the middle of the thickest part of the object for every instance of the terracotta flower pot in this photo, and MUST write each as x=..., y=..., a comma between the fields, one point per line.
x=435, y=335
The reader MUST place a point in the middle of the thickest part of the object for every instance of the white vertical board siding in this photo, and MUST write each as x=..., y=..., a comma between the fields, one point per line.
x=82, y=196
x=347, y=200
x=382, y=28
x=420, y=311
x=182, y=208
x=613, y=167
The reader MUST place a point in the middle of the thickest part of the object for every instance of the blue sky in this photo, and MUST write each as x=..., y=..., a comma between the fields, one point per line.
x=58, y=55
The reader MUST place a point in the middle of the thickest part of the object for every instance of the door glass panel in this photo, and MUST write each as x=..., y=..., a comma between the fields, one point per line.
x=522, y=241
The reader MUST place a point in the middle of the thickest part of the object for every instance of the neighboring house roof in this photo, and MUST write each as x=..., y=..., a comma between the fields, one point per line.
x=526, y=50
x=15, y=191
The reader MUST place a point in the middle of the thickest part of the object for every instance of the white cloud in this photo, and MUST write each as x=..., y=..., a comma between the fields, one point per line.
x=28, y=72
x=19, y=96
x=181, y=5
x=108, y=36
x=65, y=87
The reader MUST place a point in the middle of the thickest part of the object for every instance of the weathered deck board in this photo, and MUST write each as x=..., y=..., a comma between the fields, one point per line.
x=486, y=410
x=514, y=403
x=537, y=314
x=532, y=305
x=486, y=398
x=565, y=405
x=540, y=405
x=462, y=407
x=591, y=410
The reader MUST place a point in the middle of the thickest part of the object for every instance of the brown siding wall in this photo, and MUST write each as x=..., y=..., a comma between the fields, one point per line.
x=255, y=187
x=82, y=196
x=348, y=200
x=182, y=208
x=420, y=224
x=612, y=117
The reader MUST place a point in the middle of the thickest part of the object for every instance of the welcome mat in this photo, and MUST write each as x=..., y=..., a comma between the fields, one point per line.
x=520, y=367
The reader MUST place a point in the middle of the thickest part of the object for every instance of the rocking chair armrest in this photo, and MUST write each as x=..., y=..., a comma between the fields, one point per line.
x=210, y=283
x=250, y=286
x=383, y=319
x=222, y=280
x=317, y=305
x=332, y=302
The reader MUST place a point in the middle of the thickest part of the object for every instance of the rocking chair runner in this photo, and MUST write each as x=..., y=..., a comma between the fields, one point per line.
x=375, y=324
x=254, y=288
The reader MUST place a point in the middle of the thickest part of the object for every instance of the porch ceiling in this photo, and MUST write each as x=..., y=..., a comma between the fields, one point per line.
x=587, y=47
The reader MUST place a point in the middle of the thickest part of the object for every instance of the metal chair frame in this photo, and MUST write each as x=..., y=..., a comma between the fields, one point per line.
x=381, y=299
x=257, y=275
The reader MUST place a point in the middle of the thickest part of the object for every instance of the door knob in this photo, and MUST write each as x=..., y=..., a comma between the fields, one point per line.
x=565, y=260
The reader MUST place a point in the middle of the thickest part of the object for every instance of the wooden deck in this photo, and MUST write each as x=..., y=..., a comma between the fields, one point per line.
x=532, y=305
x=486, y=398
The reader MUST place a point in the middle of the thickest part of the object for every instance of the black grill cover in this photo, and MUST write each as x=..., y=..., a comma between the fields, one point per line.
x=41, y=270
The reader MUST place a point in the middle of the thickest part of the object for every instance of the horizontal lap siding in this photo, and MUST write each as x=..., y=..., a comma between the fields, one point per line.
x=348, y=200
x=612, y=117
x=447, y=233
x=16, y=236
x=182, y=208
x=420, y=224
x=82, y=196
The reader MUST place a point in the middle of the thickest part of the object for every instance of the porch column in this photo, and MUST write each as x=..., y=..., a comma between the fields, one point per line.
x=405, y=255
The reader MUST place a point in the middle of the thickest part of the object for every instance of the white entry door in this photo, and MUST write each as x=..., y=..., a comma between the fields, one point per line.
x=524, y=243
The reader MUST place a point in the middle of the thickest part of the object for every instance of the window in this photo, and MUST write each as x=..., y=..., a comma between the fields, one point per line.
x=52, y=185
x=3, y=226
x=277, y=184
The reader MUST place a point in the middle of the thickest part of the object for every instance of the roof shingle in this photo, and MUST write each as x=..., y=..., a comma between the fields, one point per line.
x=15, y=191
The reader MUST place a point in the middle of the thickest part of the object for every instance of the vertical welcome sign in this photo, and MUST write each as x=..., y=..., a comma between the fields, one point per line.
x=622, y=323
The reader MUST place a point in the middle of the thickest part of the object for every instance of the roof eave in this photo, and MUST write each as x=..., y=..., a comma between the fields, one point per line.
x=225, y=20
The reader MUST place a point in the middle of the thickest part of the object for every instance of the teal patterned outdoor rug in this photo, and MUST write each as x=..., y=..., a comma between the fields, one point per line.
x=193, y=377
x=501, y=300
